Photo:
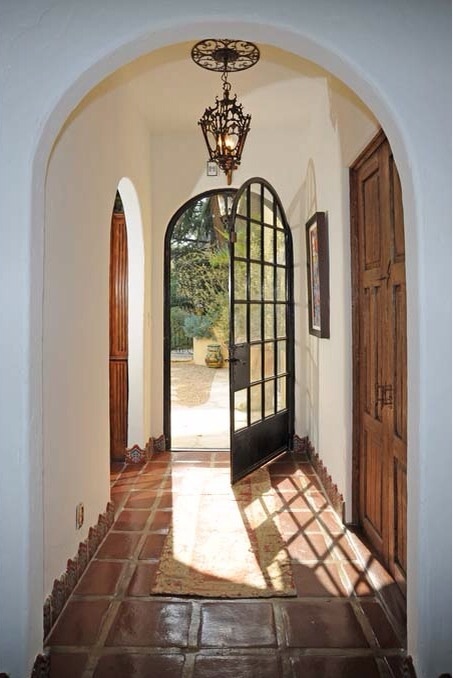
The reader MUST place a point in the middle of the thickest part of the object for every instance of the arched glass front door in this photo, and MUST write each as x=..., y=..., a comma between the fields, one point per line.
x=242, y=235
x=261, y=328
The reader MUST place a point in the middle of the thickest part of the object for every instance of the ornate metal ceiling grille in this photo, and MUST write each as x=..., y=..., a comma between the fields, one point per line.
x=225, y=55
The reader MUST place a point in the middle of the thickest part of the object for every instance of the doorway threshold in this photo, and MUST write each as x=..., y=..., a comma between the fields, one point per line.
x=200, y=449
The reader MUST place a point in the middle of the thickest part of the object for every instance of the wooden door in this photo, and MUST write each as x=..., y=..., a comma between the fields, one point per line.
x=261, y=329
x=380, y=383
x=118, y=364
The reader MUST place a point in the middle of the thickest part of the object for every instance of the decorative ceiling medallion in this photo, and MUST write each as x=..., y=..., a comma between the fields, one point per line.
x=225, y=56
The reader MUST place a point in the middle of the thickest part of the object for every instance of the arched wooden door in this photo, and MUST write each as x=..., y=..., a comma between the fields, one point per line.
x=380, y=380
x=118, y=363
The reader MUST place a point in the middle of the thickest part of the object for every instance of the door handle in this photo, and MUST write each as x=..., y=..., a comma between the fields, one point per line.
x=384, y=394
x=231, y=360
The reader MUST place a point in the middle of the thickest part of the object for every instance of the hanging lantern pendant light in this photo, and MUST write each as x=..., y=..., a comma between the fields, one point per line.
x=224, y=125
x=225, y=129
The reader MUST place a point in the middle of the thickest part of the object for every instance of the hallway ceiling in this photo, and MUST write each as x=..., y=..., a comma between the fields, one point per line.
x=172, y=92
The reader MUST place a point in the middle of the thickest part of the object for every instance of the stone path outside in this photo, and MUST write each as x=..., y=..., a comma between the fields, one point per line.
x=204, y=426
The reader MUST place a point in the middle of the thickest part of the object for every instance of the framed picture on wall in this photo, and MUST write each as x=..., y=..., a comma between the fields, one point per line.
x=318, y=275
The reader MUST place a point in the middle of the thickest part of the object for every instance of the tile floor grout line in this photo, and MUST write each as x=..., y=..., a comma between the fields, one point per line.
x=122, y=585
x=189, y=665
x=347, y=582
x=96, y=648
x=194, y=631
x=344, y=652
x=364, y=623
x=280, y=627
x=381, y=653
x=396, y=627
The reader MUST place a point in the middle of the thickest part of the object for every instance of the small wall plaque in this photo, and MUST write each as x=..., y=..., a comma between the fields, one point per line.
x=211, y=168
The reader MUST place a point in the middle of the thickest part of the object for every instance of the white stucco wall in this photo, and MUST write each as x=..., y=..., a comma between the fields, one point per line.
x=138, y=419
x=103, y=140
x=341, y=128
x=396, y=56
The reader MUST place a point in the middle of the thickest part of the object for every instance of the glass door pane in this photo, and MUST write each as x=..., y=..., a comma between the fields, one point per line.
x=261, y=251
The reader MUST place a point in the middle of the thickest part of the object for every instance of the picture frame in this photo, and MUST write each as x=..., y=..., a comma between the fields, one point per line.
x=317, y=240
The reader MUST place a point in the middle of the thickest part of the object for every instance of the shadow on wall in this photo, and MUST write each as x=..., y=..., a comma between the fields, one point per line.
x=344, y=106
x=302, y=207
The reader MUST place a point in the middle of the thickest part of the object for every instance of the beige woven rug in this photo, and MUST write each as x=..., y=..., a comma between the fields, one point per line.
x=224, y=542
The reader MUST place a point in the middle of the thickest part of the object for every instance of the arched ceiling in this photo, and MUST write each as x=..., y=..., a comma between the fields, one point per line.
x=171, y=91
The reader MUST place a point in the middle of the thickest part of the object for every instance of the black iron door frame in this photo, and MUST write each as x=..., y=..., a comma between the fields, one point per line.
x=261, y=328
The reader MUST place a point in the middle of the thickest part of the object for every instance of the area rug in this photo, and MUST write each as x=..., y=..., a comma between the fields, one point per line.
x=224, y=542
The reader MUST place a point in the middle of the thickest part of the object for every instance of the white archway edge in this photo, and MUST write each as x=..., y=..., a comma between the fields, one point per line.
x=136, y=309
x=396, y=58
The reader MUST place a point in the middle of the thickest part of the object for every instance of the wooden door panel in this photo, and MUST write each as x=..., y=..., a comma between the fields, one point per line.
x=400, y=514
x=399, y=367
x=373, y=485
x=118, y=412
x=371, y=321
x=118, y=365
x=397, y=221
x=380, y=382
x=372, y=234
x=118, y=288
x=372, y=347
x=398, y=502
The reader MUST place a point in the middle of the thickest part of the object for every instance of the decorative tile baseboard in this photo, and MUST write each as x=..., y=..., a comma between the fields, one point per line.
x=137, y=455
x=41, y=668
x=299, y=447
x=64, y=586
x=304, y=445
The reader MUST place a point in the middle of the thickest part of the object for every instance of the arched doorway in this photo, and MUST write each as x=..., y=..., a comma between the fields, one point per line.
x=229, y=278
x=195, y=318
x=126, y=320
x=70, y=93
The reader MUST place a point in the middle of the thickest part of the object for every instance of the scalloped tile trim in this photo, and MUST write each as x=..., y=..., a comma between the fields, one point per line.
x=64, y=586
x=138, y=455
x=304, y=446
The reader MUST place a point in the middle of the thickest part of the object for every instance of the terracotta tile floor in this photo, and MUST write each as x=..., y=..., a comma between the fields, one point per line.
x=346, y=620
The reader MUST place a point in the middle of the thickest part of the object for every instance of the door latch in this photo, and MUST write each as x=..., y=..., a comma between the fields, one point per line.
x=384, y=394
